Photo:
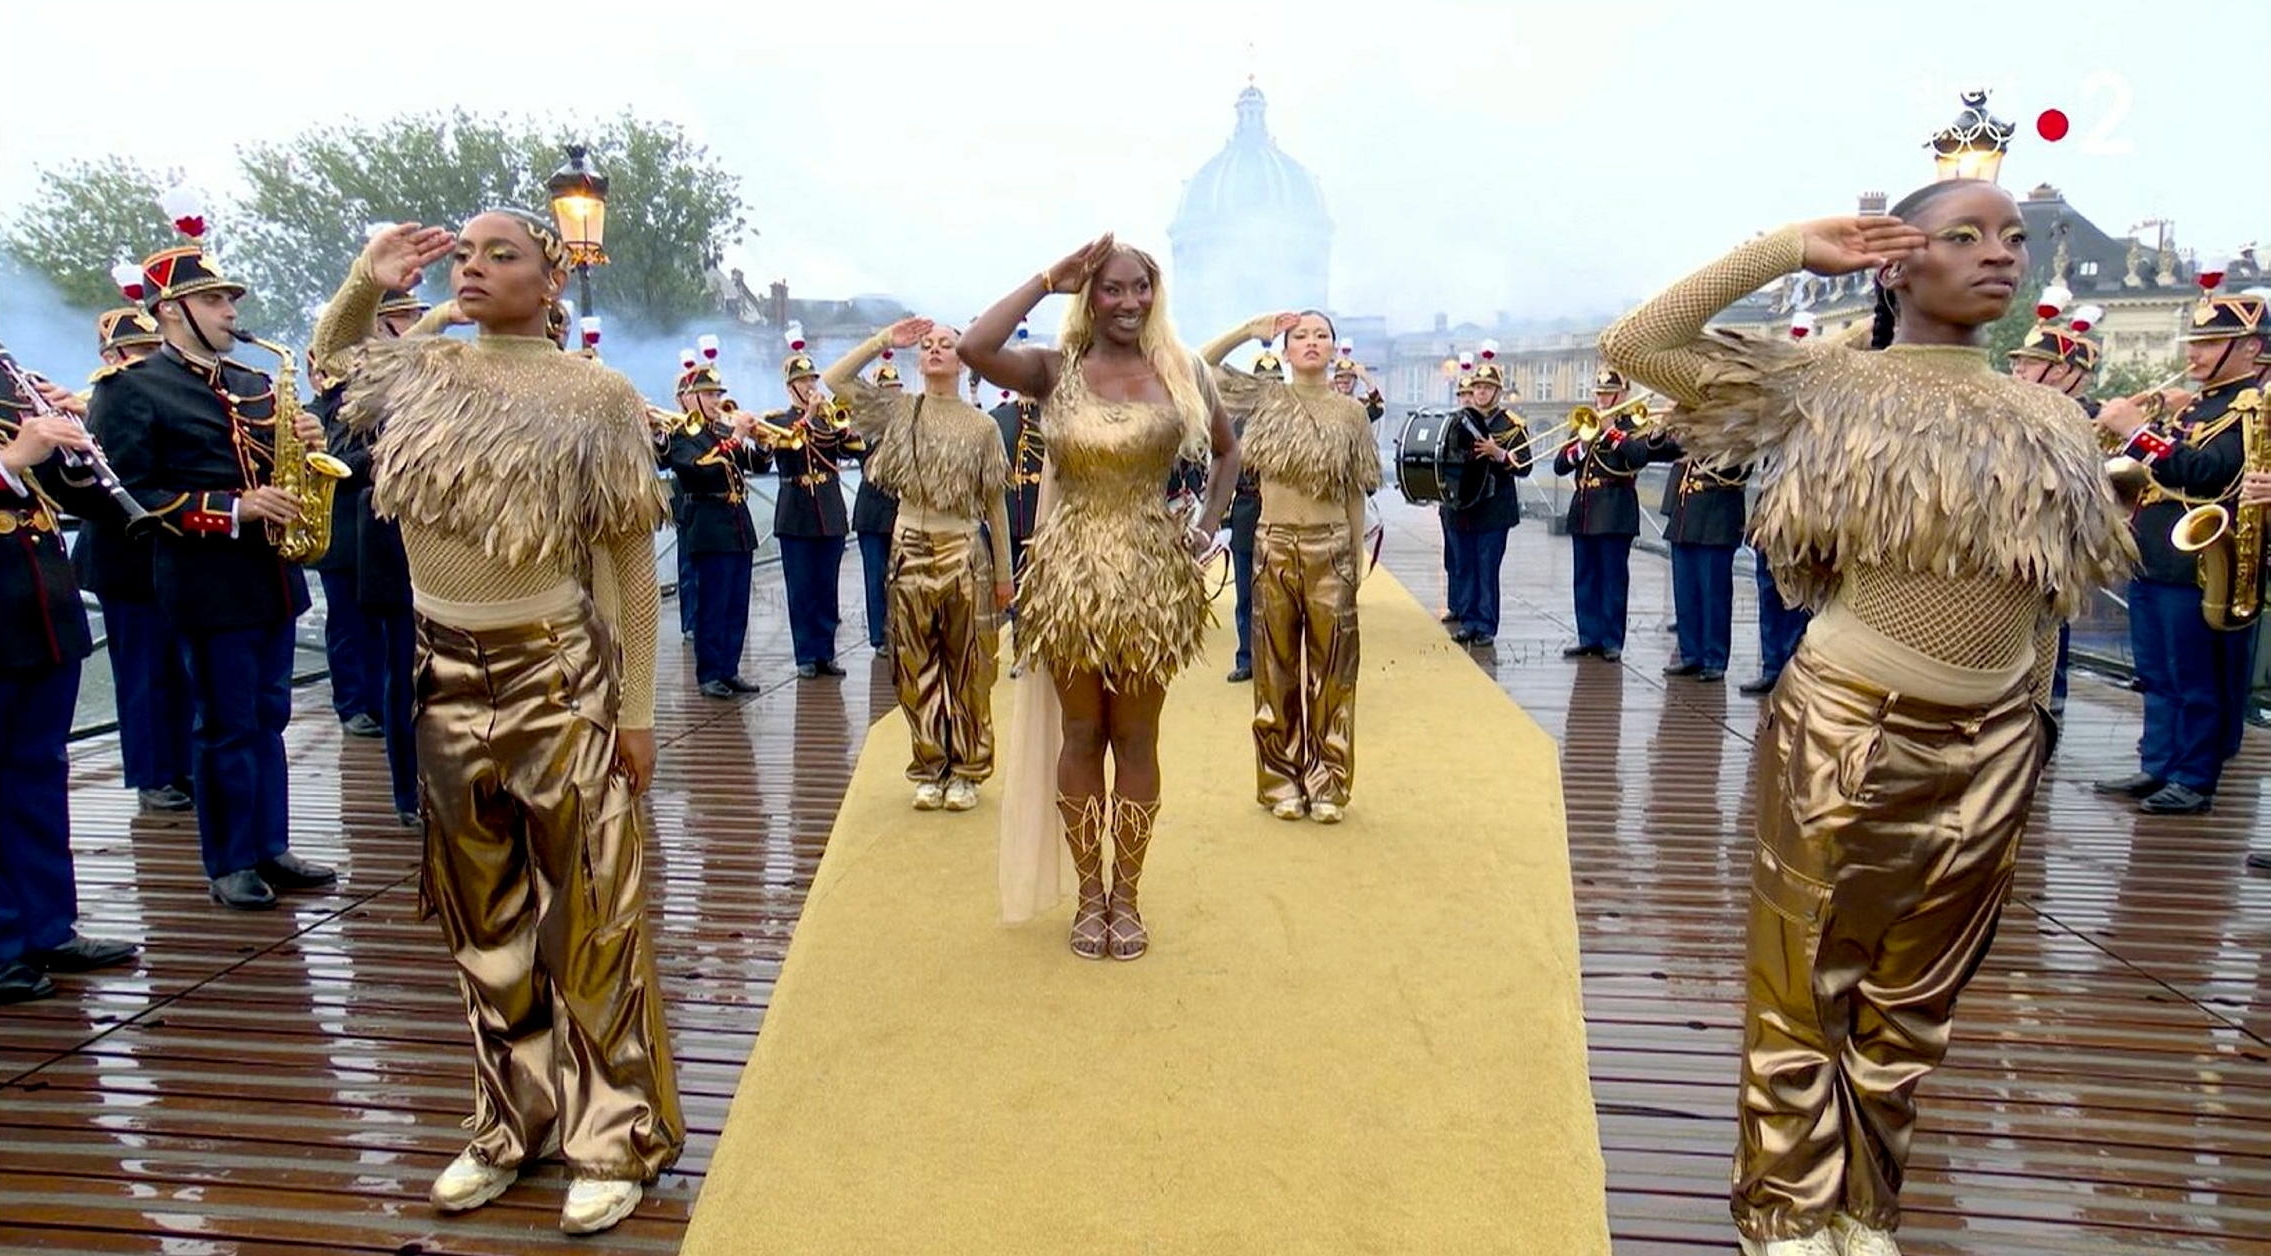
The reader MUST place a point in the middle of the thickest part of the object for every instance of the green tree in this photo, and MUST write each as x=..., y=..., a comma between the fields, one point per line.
x=672, y=210
x=87, y=217
x=2124, y=379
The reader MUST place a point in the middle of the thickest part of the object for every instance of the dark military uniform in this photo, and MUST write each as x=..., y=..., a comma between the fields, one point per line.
x=43, y=638
x=1474, y=533
x=350, y=640
x=715, y=529
x=1020, y=423
x=810, y=523
x=187, y=440
x=1604, y=516
x=382, y=593
x=874, y=514
x=1704, y=512
x=2194, y=676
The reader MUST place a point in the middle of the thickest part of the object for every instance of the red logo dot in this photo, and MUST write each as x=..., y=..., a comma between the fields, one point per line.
x=2051, y=125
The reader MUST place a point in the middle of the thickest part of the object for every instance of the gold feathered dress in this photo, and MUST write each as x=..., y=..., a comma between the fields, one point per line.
x=1942, y=520
x=1311, y=449
x=524, y=482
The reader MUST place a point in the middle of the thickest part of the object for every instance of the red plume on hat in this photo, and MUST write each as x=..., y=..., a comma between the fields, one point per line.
x=796, y=337
x=708, y=345
x=1801, y=324
x=185, y=210
x=590, y=327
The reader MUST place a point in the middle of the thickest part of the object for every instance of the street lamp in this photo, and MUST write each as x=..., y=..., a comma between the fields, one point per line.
x=579, y=206
x=1972, y=146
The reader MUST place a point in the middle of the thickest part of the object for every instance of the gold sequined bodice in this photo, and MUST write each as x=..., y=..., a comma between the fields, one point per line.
x=1108, y=455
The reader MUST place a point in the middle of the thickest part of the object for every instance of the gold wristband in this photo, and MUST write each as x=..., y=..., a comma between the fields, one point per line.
x=1048, y=284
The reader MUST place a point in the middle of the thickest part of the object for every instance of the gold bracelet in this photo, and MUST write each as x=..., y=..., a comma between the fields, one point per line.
x=1048, y=285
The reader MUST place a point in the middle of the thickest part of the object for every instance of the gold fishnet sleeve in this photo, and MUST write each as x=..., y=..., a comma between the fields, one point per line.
x=1655, y=343
x=2044, y=672
x=348, y=318
x=624, y=590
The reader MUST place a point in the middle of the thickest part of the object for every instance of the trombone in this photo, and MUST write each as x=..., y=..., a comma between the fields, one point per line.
x=1586, y=423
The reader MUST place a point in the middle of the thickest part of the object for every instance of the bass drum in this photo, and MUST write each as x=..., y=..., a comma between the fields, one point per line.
x=1432, y=460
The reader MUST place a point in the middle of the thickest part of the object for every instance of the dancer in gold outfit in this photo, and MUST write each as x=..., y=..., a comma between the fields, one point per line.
x=523, y=479
x=1942, y=519
x=942, y=458
x=1310, y=447
x=1112, y=603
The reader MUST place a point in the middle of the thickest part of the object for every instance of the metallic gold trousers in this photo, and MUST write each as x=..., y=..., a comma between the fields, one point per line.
x=1887, y=832
x=535, y=864
x=943, y=643
x=1305, y=656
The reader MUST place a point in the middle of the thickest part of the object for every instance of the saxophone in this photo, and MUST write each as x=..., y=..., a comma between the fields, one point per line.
x=2228, y=541
x=311, y=476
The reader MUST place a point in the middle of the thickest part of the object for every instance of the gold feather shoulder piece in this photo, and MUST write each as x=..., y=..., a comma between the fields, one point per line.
x=1918, y=459
x=1319, y=444
x=508, y=444
x=944, y=455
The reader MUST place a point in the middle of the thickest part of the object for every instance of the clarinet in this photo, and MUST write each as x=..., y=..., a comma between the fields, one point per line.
x=138, y=520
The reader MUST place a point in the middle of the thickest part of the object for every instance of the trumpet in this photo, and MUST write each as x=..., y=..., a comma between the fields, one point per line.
x=2130, y=477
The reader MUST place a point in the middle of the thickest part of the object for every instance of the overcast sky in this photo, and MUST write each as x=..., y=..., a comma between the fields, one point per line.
x=1542, y=159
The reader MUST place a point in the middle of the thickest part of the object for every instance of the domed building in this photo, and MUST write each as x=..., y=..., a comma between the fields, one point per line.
x=1250, y=235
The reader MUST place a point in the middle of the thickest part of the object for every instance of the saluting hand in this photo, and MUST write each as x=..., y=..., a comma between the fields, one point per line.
x=1070, y=273
x=1840, y=246
x=399, y=254
x=908, y=332
x=1270, y=326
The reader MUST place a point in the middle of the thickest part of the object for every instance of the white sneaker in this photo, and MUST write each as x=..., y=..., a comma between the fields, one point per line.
x=468, y=1183
x=1290, y=809
x=1819, y=1243
x=928, y=796
x=1862, y=1240
x=1326, y=812
x=961, y=795
x=594, y=1206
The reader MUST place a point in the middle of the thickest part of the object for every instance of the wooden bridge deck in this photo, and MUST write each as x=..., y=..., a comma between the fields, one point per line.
x=291, y=1081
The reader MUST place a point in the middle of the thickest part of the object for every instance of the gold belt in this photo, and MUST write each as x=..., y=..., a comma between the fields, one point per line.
x=36, y=520
x=814, y=479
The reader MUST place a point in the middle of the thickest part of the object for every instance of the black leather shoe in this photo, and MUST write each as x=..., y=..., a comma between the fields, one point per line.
x=21, y=983
x=716, y=689
x=1711, y=675
x=1684, y=669
x=2260, y=860
x=1611, y=656
x=1446, y=618
x=1579, y=651
x=242, y=891
x=1240, y=675
x=290, y=872
x=82, y=955
x=738, y=685
x=409, y=819
x=2176, y=800
x=807, y=671
x=1758, y=688
x=2137, y=786
x=164, y=798
x=828, y=667
x=363, y=726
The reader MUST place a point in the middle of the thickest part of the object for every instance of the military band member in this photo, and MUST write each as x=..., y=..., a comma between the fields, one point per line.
x=145, y=653
x=1604, y=516
x=941, y=459
x=43, y=639
x=1348, y=375
x=1781, y=627
x=382, y=568
x=1461, y=397
x=809, y=520
x=1475, y=530
x=2195, y=676
x=711, y=452
x=191, y=434
x=1704, y=509
x=874, y=514
x=1245, y=516
x=2058, y=355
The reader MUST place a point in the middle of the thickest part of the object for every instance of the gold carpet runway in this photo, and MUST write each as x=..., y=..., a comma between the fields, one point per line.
x=1361, y=1039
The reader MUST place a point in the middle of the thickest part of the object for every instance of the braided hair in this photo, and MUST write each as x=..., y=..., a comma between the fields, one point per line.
x=540, y=229
x=1887, y=316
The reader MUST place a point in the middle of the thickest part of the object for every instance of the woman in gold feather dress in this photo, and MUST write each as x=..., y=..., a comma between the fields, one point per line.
x=1112, y=605
x=1942, y=519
